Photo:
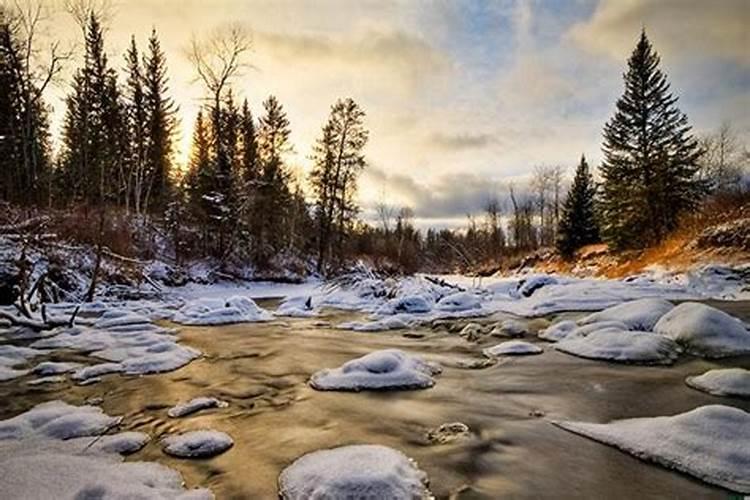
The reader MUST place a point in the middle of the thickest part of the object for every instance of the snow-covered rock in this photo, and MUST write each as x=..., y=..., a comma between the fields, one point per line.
x=459, y=301
x=530, y=284
x=412, y=304
x=212, y=311
x=46, y=368
x=123, y=443
x=57, y=420
x=195, y=405
x=512, y=347
x=379, y=370
x=705, y=331
x=359, y=471
x=557, y=331
x=709, y=442
x=395, y=322
x=197, y=444
x=509, y=328
x=723, y=382
x=641, y=314
x=299, y=306
x=624, y=346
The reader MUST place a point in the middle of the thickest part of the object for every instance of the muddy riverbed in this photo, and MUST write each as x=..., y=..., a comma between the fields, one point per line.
x=513, y=451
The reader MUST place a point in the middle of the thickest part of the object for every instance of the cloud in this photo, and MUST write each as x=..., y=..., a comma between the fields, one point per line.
x=460, y=142
x=684, y=29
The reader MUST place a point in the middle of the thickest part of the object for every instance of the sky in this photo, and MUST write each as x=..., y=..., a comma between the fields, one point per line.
x=462, y=98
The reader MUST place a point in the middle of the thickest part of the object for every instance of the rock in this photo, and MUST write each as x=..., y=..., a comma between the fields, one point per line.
x=447, y=433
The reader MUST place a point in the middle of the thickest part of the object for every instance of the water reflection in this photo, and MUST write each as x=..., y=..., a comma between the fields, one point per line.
x=513, y=452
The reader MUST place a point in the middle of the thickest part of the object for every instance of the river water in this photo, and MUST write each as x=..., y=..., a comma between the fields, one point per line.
x=513, y=452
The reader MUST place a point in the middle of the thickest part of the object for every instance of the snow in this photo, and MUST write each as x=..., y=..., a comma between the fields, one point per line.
x=197, y=444
x=512, y=347
x=57, y=420
x=46, y=368
x=509, y=328
x=641, y=314
x=123, y=443
x=379, y=370
x=528, y=285
x=299, y=306
x=195, y=405
x=723, y=382
x=620, y=345
x=13, y=356
x=216, y=311
x=388, y=323
x=709, y=442
x=357, y=471
x=414, y=304
x=52, y=379
x=558, y=331
x=705, y=331
x=460, y=301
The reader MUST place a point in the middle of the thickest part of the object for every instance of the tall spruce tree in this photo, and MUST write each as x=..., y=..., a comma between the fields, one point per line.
x=135, y=175
x=650, y=157
x=95, y=136
x=578, y=225
x=162, y=125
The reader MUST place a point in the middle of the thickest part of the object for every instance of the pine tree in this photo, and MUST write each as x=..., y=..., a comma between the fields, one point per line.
x=200, y=171
x=578, y=225
x=136, y=174
x=162, y=124
x=338, y=160
x=249, y=145
x=650, y=157
x=273, y=193
x=95, y=135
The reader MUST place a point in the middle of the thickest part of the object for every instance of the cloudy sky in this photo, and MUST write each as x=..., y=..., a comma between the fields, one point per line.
x=462, y=97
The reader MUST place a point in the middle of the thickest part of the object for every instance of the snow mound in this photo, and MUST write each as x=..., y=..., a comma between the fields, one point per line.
x=57, y=420
x=710, y=442
x=529, y=285
x=624, y=346
x=396, y=322
x=197, y=444
x=557, y=331
x=723, y=382
x=509, y=328
x=512, y=347
x=459, y=301
x=705, y=331
x=46, y=468
x=12, y=356
x=412, y=304
x=641, y=314
x=124, y=443
x=46, y=368
x=359, y=471
x=379, y=370
x=195, y=405
x=300, y=306
x=212, y=311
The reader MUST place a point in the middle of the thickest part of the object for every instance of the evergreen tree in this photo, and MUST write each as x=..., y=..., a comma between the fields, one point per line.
x=162, y=124
x=338, y=160
x=95, y=136
x=249, y=145
x=136, y=174
x=200, y=171
x=650, y=157
x=273, y=194
x=578, y=225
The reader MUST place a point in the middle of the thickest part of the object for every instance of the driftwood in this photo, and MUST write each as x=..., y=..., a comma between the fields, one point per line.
x=442, y=282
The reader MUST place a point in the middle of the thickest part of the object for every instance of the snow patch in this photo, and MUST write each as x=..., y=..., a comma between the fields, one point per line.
x=359, y=471
x=195, y=405
x=379, y=370
x=512, y=347
x=723, y=382
x=709, y=442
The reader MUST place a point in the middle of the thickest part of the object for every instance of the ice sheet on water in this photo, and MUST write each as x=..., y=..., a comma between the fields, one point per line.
x=709, y=442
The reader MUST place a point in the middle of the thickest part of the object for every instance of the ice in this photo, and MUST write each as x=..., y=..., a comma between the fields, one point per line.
x=11, y=357
x=57, y=420
x=197, y=444
x=558, y=331
x=211, y=311
x=195, y=405
x=357, y=471
x=46, y=368
x=44, y=468
x=459, y=301
x=379, y=370
x=620, y=345
x=705, y=331
x=509, y=328
x=512, y=347
x=723, y=382
x=414, y=304
x=641, y=314
x=528, y=285
x=709, y=442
